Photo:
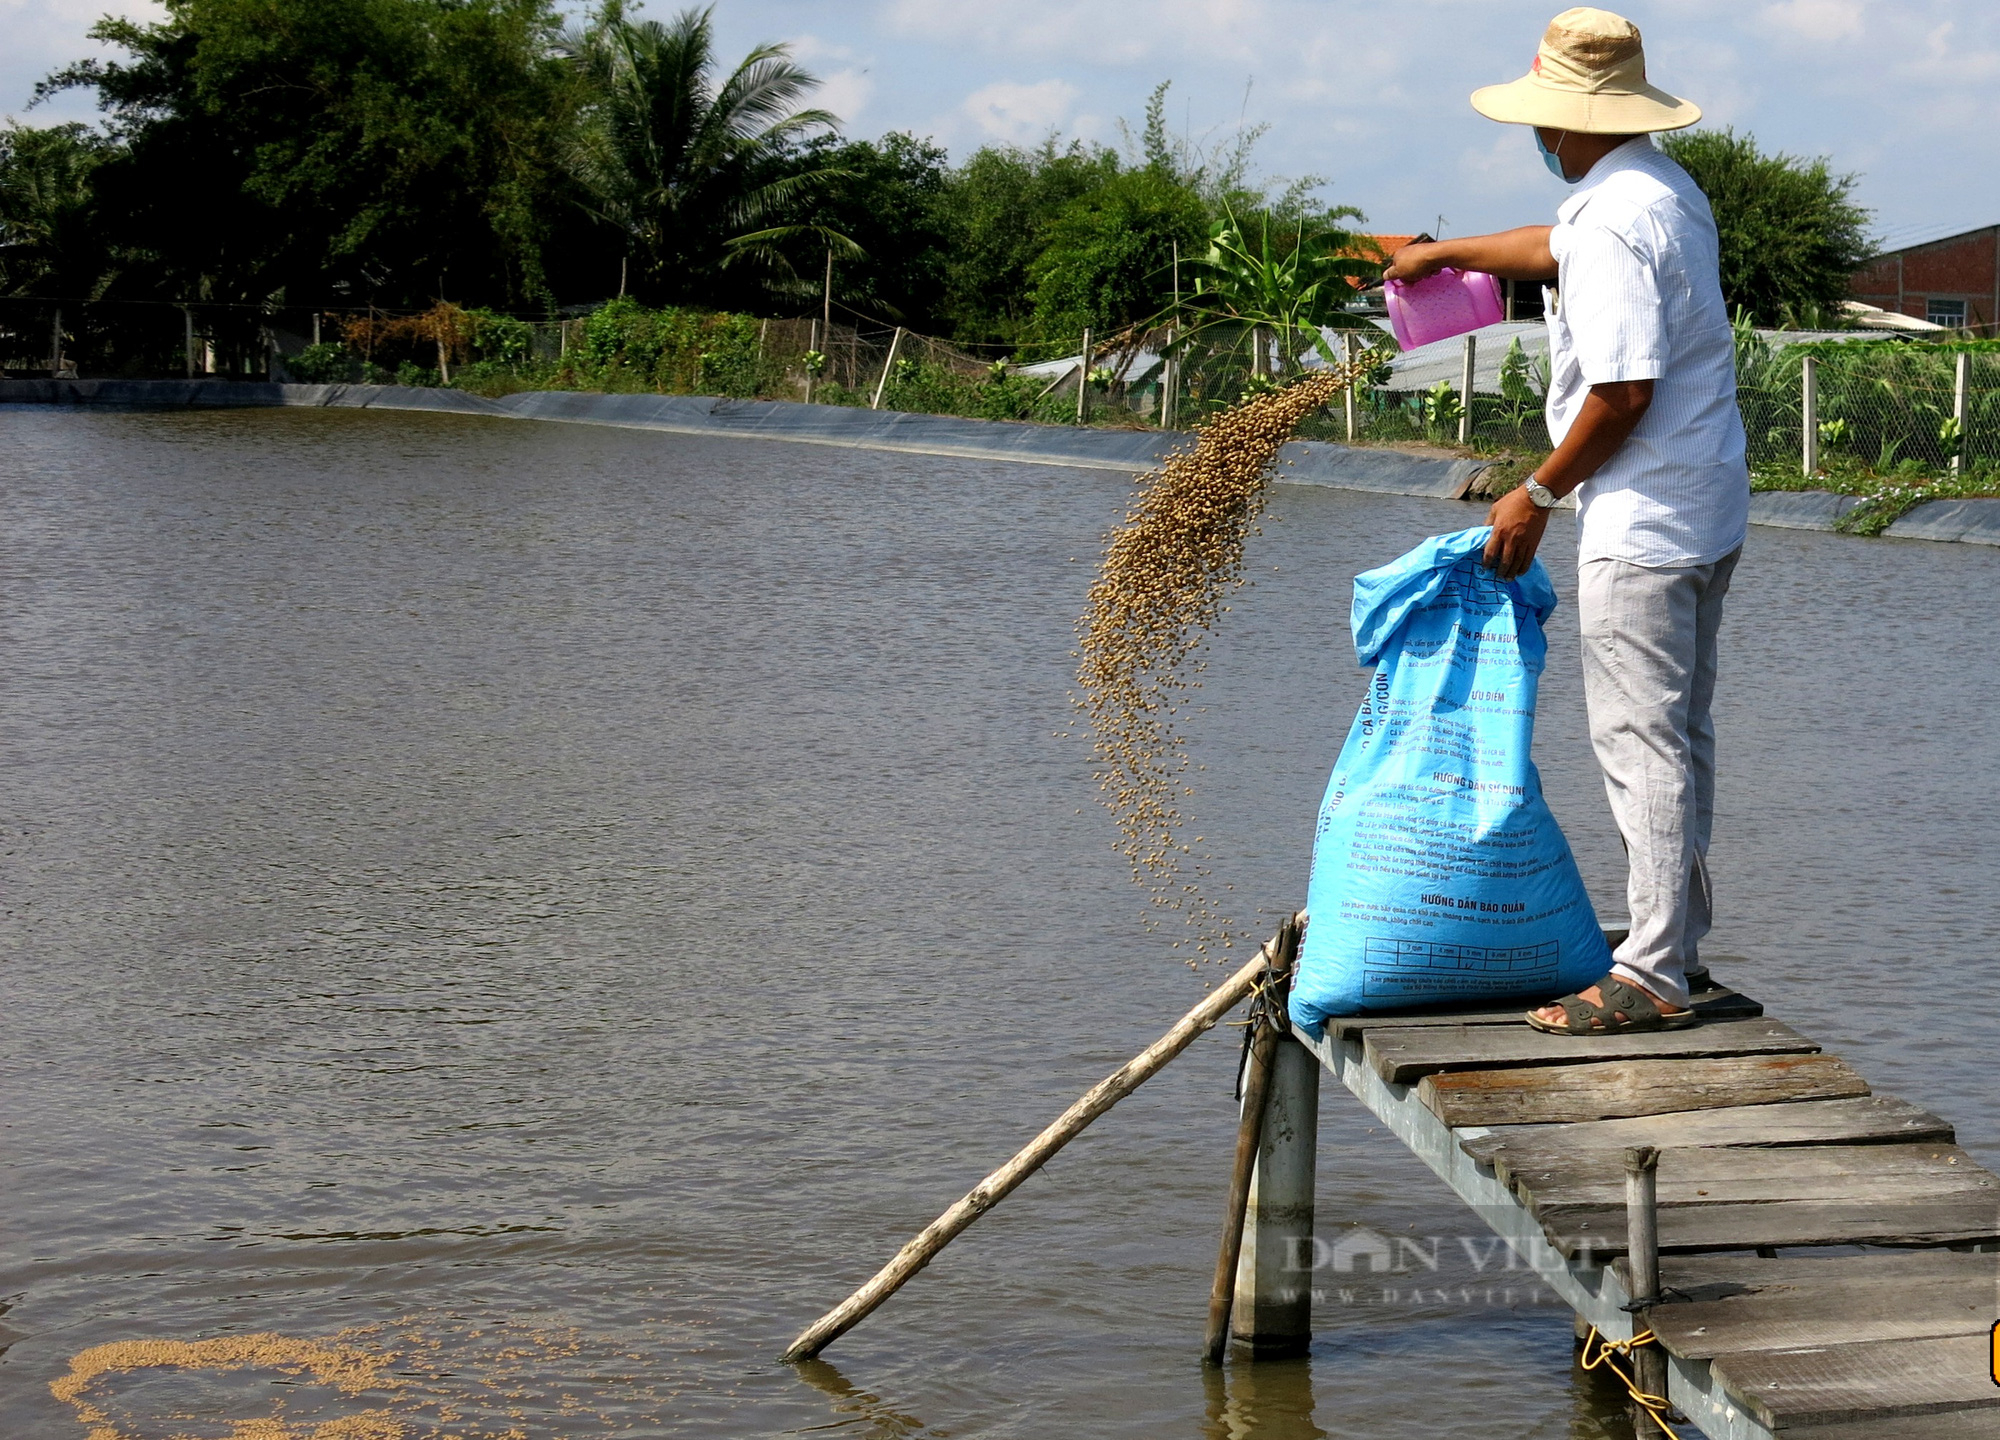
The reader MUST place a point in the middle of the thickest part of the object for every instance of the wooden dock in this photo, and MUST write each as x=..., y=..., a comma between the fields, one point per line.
x=1826, y=1253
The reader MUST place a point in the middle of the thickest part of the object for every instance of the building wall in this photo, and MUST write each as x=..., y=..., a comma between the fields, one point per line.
x=1963, y=269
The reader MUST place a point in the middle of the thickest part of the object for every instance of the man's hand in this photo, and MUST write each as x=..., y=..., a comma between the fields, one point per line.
x=1414, y=262
x=1610, y=413
x=1518, y=523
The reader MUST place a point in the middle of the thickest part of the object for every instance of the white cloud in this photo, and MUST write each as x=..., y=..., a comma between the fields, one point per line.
x=846, y=94
x=1020, y=114
x=1817, y=19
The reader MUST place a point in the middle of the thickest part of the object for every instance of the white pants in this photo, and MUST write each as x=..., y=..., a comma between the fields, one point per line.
x=1648, y=677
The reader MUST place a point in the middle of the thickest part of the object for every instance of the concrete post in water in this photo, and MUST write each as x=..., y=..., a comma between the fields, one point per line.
x=1465, y=391
x=1642, y=1249
x=1960, y=380
x=1274, y=1275
x=1809, y=410
x=1347, y=399
x=887, y=366
x=1083, y=381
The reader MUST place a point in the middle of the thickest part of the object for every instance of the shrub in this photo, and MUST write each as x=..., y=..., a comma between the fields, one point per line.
x=324, y=364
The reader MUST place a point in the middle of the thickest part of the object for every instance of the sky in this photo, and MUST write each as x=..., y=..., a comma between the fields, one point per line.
x=1368, y=94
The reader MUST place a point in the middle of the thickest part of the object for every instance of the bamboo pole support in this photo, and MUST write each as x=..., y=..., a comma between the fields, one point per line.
x=1083, y=381
x=1347, y=396
x=1249, y=1137
x=1272, y=1315
x=1037, y=1153
x=1809, y=411
x=1961, y=382
x=887, y=366
x=1464, y=389
x=1642, y=1248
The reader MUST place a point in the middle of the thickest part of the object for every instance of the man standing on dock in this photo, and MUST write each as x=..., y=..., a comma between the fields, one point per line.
x=1642, y=408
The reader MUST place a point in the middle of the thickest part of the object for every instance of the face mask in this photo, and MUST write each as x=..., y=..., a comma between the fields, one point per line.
x=1552, y=158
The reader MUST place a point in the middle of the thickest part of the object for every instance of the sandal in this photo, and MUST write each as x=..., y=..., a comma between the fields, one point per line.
x=1580, y=1017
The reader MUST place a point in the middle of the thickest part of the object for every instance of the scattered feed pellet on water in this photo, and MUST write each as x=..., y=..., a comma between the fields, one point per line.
x=1158, y=591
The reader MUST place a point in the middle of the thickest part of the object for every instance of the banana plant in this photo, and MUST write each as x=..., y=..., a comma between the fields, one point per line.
x=1286, y=286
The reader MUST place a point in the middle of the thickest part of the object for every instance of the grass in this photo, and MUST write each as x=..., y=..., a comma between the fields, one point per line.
x=1886, y=496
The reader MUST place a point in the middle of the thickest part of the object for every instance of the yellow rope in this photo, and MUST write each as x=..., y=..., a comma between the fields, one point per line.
x=1656, y=1406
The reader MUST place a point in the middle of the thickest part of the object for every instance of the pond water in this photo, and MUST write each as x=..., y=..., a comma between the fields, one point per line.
x=534, y=914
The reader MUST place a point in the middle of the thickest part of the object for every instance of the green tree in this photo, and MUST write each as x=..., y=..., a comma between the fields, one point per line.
x=887, y=196
x=50, y=243
x=697, y=174
x=325, y=148
x=1108, y=259
x=996, y=211
x=1791, y=236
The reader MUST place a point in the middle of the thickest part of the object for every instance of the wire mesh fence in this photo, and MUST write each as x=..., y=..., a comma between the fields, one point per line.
x=1865, y=407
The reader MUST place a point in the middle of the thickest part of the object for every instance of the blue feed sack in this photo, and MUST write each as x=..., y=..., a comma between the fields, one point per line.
x=1438, y=872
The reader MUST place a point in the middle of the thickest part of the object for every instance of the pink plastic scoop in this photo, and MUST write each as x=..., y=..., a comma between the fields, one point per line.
x=1440, y=306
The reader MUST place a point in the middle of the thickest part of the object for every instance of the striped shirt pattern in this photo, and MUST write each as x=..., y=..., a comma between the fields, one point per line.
x=1639, y=298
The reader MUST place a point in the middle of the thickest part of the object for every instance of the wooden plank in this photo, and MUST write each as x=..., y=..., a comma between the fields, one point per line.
x=1715, y=1277
x=1829, y=1384
x=1402, y=1057
x=1562, y=1093
x=1866, y=1120
x=1703, y=1175
x=1715, y=1005
x=1951, y=1219
x=1979, y=1424
x=1722, y=1305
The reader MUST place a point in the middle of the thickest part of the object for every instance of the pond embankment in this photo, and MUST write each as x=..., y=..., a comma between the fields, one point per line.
x=1345, y=467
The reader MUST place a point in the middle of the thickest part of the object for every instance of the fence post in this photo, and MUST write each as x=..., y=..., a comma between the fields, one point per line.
x=812, y=344
x=887, y=365
x=1170, y=381
x=1642, y=1251
x=1083, y=380
x=1809, y=408
x=55, y=346
x=1959, y=383
x=1465, y=391
x=187, y=343
x=1347, y=399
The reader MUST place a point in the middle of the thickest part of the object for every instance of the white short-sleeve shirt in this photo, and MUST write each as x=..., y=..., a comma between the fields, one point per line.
x=1638, y=297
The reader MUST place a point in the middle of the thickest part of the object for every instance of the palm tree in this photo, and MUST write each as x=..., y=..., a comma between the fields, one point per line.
x=49, y=244
x=696, y=175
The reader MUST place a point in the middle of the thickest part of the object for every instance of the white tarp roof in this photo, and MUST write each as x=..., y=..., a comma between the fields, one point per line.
x=1424, y=366
x=1143, y=364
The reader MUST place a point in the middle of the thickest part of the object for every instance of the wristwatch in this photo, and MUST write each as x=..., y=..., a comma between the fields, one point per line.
x=1540, y=495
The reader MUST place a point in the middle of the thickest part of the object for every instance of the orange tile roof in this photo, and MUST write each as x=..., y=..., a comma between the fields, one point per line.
x=1388, y=245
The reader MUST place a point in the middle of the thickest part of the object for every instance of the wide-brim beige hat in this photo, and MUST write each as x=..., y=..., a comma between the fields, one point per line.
x=1589, y=76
